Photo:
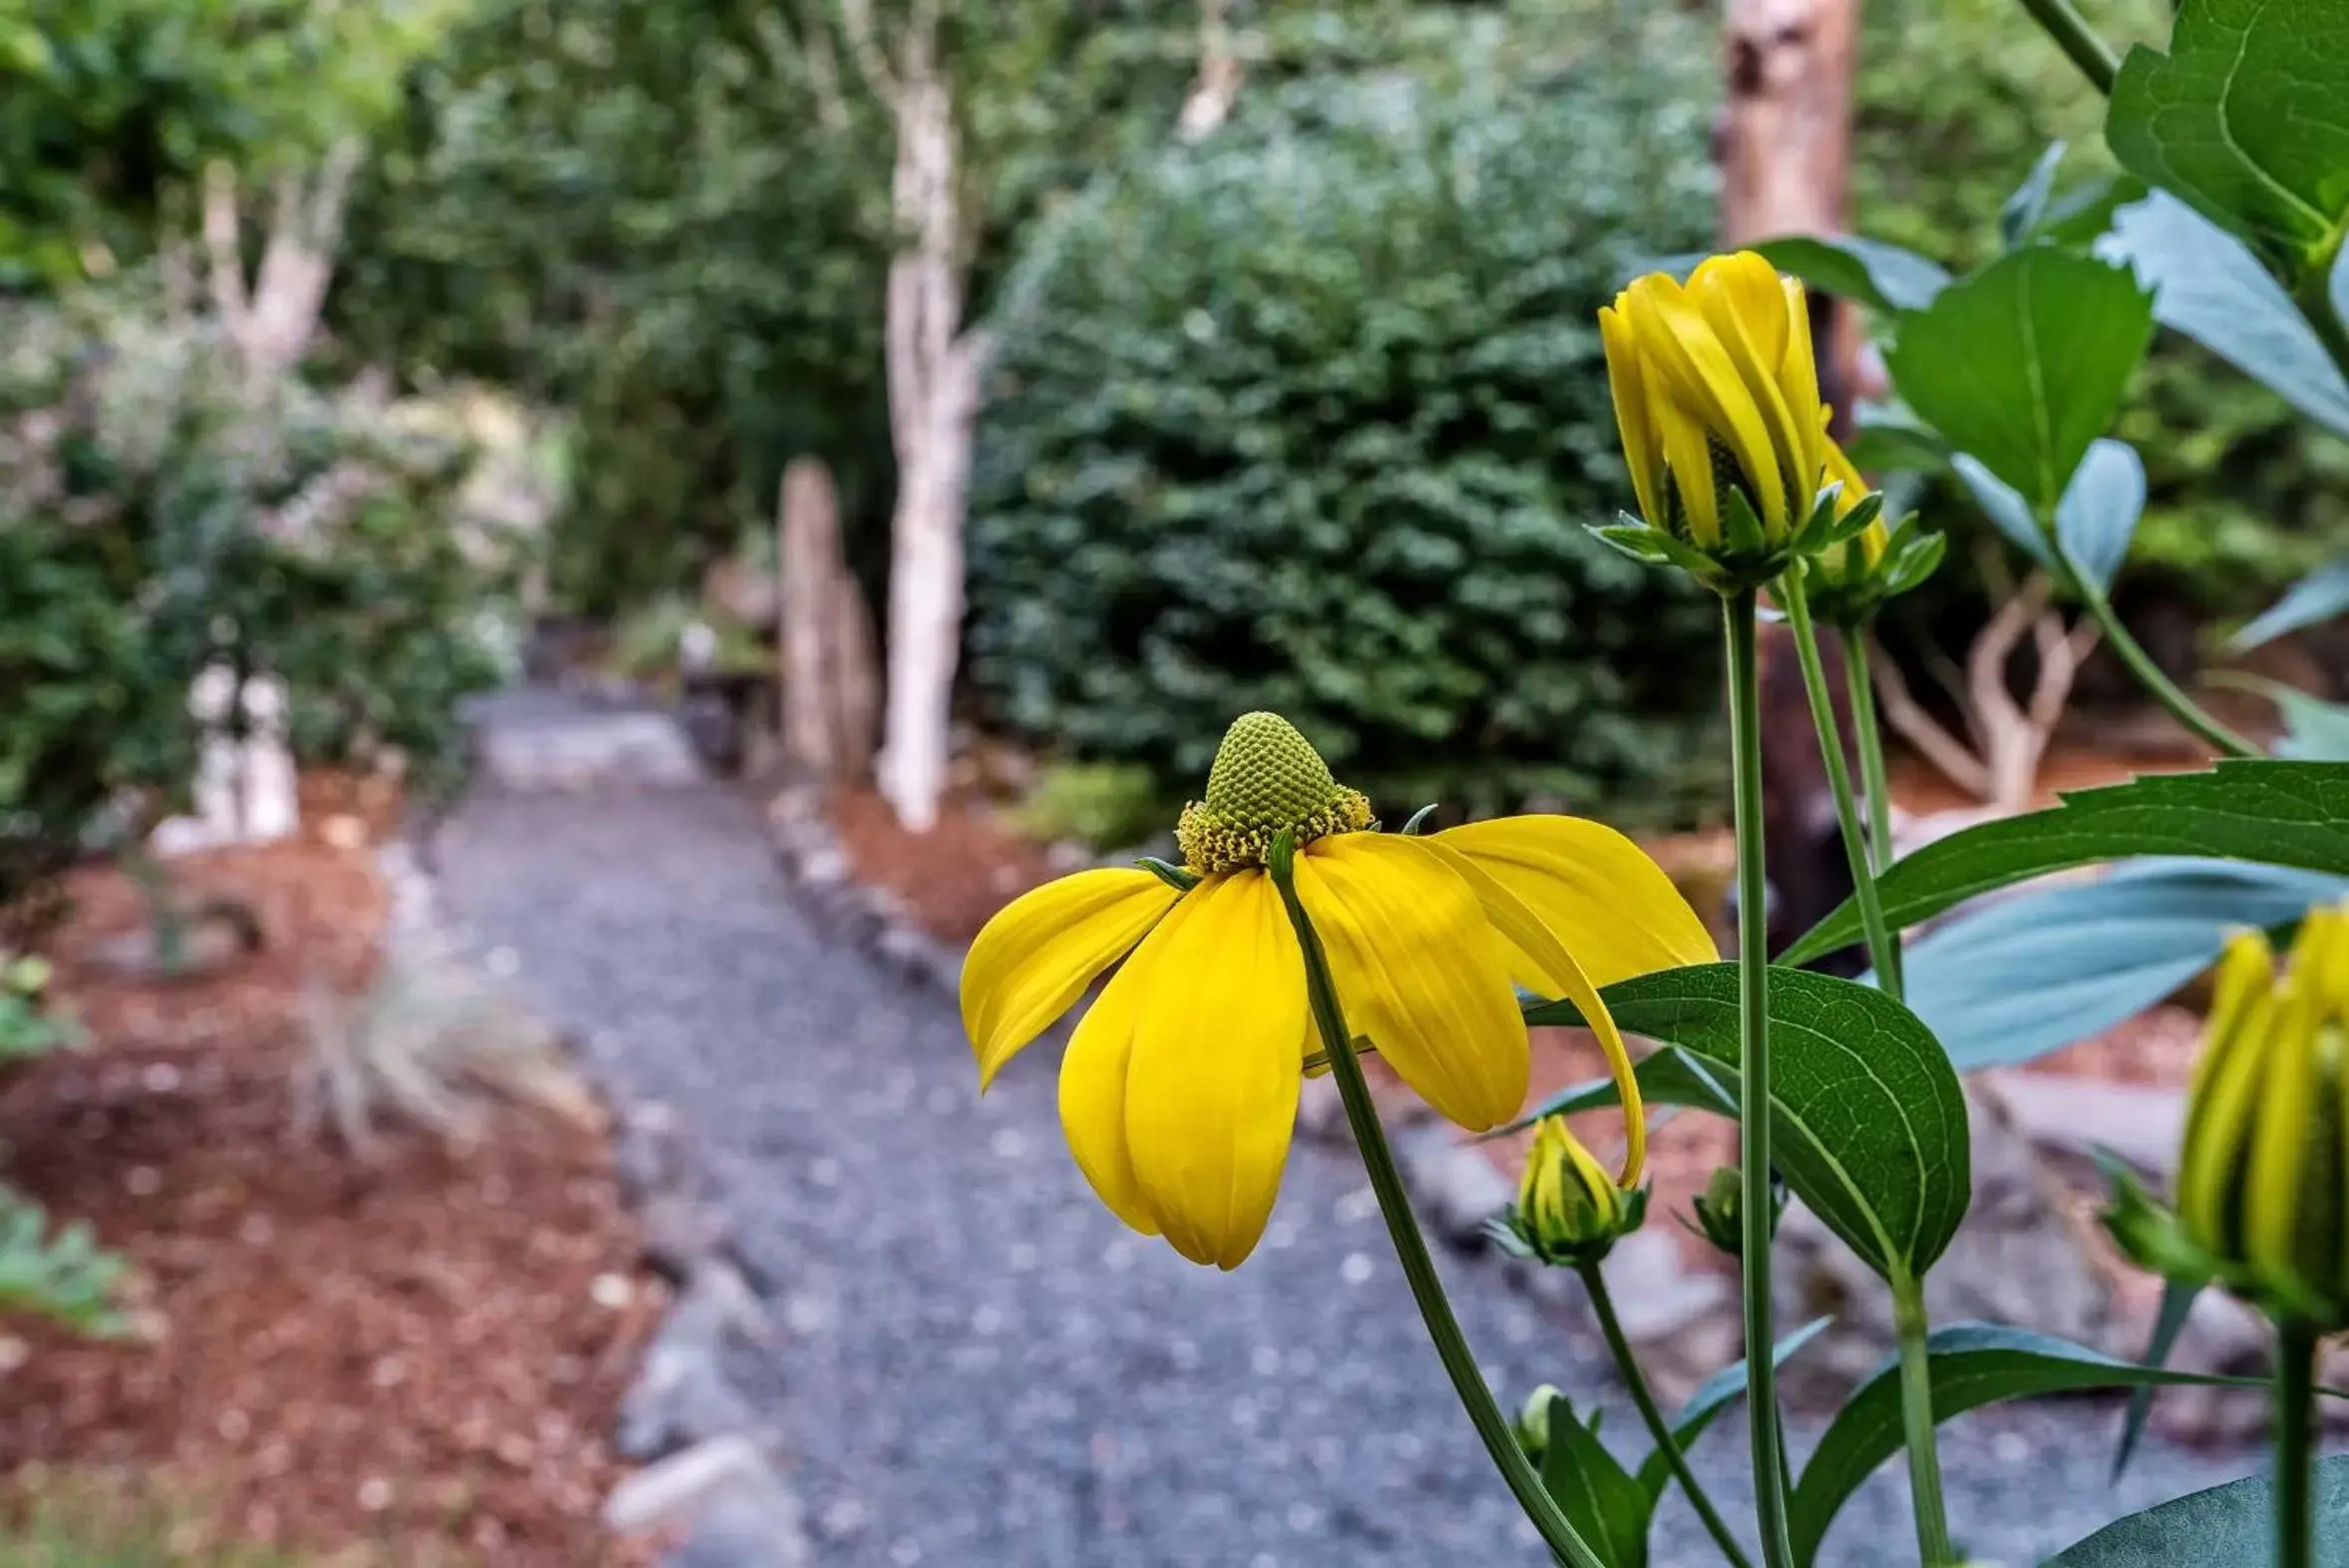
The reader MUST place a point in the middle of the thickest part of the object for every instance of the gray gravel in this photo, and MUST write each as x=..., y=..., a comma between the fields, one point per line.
x=978, y=1367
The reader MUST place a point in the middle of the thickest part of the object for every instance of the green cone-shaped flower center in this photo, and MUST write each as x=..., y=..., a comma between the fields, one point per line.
x=1265, y=777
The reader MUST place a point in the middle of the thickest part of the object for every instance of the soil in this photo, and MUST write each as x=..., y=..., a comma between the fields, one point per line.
x=950, y=879
x=416, y=1357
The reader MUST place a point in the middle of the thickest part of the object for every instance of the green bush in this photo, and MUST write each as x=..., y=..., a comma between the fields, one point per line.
x=1312, y=416
x=155, y=521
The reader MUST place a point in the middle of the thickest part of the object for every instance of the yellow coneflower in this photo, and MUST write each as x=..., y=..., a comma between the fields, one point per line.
x=1179, y=1088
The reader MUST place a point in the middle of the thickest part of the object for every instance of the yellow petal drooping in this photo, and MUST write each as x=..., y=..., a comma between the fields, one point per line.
x=1419, y=972
x=1030, y=963
x=1598, y=894
x=1093, y=1080
x=1211, y=1090
x=1545, y=967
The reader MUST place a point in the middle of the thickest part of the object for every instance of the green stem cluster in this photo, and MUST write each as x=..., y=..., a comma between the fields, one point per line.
x=1753, y=1127
x=1603, y=1308
x=1394, y=1206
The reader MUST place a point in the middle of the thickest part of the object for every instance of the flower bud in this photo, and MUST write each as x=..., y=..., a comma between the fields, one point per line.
x=1533, y=1423
x=2260, y=1184
x=1569, y=1209
x=1720, y=1209
x=1850, y=578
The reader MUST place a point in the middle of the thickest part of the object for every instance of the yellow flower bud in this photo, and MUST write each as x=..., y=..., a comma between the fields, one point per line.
x=1859, y=553
x=1716, y=390
x=1569, y=1209
x=2260, y=1184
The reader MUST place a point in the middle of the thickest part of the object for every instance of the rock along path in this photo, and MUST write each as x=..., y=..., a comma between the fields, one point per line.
x=978, y=1367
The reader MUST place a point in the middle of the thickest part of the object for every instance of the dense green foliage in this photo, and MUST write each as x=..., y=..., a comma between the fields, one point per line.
x=2242, y=496
x=1311, y=417
x=157, y=519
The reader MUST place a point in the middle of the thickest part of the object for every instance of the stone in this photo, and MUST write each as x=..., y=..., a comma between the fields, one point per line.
x=756, y=1526
x=682, y=1394
x=1453, y=1186
x=244, y=786
x=823, y=868
x=205, y=947
x=588, y=748
x=678, y=1489
x=2018, y=1258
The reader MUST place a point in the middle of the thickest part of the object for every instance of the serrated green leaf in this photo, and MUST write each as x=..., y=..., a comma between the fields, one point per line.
x=1716, y=1394
x=1972, y=1365
x=1871, y=1123
x=2024, y=364
x=2244, y=118
x=2227, y=1524
x=2208, y=286
x=2268, y=813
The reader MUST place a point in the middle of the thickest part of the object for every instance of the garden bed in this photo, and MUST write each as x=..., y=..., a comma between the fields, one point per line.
x=414, y=1357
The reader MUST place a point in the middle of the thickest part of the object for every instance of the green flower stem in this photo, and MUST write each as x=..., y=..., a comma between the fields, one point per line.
x=2314, y=296
x=2295, y=1443
x=1883, y=947
x=2073, y=35
x=1602, y=1307
x=1395, y=1205
x=1870, y=738
x=2148, y=675
x=1916, y=1420
x=1762, y=1402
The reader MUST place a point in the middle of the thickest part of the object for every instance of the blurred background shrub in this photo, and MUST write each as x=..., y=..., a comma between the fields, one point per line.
x=1311, y=416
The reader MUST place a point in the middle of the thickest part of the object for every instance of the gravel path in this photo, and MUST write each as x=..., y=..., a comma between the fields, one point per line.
x=979, y=1367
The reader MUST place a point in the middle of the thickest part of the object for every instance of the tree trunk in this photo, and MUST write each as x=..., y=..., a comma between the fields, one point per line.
x=934, y=369
x=807, y=556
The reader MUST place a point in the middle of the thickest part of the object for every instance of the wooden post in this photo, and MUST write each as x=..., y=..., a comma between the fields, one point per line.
x=1784, y=149
x=831, y=697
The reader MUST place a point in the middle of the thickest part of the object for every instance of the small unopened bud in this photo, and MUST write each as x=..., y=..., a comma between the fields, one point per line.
x=1720, y=1210
x=1533, y=1423
x=26, y=976
x=2266, y=1137
x=1569, y=1209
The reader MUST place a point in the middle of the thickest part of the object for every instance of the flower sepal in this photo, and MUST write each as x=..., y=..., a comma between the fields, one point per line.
x=1720, y=1210
x=1742, y=561
x=1849, y=582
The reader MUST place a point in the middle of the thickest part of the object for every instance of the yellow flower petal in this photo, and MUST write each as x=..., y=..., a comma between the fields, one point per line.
x=1093, y=1075
x=1611, y=906
x=1740, y=300
x=1552, y=971
x=1706, y=387
x=1032, y=960
x=1419, y=972
x=1211, y=1090
x=1798, y=379
x=1642, y=448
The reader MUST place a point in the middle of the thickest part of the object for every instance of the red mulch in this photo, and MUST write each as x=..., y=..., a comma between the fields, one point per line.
x=426, y=1348
x=950, y=878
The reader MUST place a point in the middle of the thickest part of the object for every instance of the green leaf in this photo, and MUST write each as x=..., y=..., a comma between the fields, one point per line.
x=2178, y=1305
x=2024, y=976
x=2268, y=813
x=2023, y=210
x=1973, y=1365
x=1887, y=441
x=2210, y=286
x=1869, y=1126
x=1883, y=276
x=1716, y=1394
x=2245, y=119
x=2024, y=364
x=2227, y=1524
x=2097, y=516
x=2320, y=595
x=1591, y=1487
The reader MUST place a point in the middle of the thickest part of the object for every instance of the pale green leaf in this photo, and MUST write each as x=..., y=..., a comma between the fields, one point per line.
x=2229, y=1524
